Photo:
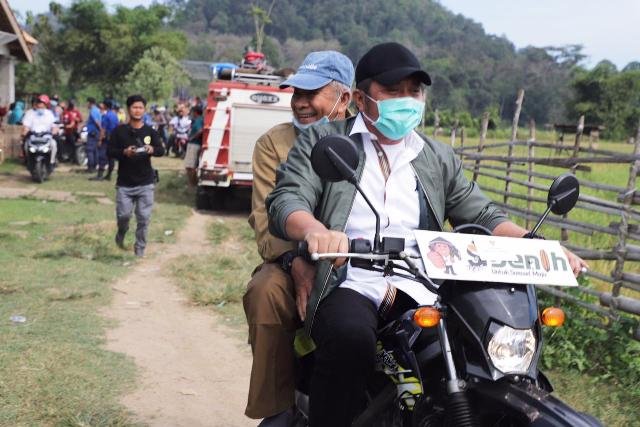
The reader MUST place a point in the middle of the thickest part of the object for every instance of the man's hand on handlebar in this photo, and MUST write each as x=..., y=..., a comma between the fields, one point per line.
x=577, y=264
x=303, y=275
x=322, y=241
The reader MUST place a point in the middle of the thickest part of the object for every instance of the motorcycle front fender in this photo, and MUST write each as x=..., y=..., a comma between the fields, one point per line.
x=537, y=406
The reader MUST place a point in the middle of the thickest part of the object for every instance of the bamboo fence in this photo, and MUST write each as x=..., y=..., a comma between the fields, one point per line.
x=620, y=203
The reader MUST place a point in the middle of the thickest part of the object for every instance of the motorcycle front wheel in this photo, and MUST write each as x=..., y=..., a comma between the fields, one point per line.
x=39, y=173
x=81, y=155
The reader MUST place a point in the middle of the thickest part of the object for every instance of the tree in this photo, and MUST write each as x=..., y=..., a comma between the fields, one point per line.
x=156, y=75
x=632, y=66
x=261, y=18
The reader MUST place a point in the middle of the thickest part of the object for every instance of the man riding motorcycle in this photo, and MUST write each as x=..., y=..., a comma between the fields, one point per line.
x=413, y=182
x=179, y=128
x=321, y=92
x=41, y=120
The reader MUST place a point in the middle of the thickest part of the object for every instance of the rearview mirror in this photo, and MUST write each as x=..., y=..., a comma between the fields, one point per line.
x=563, y=194
x=335, y=158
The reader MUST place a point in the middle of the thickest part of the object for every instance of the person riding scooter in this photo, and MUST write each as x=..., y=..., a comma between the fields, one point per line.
x=179, y=128
x=41, y=120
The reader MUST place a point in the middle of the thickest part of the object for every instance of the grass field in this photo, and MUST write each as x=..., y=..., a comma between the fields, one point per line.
x=57, y=263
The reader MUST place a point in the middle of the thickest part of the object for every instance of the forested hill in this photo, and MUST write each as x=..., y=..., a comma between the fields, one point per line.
x=471, y=70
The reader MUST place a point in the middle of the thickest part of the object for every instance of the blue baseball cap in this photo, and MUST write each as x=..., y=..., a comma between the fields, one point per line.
x=320, y=68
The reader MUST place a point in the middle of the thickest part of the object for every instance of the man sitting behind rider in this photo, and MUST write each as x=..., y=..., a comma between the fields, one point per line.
x=41, y=120
x=178, y=126
x=322, y=92
x=413, y=181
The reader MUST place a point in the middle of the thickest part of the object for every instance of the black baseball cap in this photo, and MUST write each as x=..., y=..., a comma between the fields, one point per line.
x=388, y=63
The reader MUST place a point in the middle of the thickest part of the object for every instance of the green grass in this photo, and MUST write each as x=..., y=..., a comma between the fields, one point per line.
x=609, y=403
x=219, y=279
x=57, y=264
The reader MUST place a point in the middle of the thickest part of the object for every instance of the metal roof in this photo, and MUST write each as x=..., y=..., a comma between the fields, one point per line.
x=9, y=24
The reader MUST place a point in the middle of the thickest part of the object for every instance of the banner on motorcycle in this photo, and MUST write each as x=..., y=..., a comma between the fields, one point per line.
x=494, y=259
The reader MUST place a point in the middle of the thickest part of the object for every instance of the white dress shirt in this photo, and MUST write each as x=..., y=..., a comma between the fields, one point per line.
x=39, y=121
x=397, y=202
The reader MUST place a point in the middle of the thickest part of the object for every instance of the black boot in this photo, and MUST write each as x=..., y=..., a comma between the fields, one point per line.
x=98, y=177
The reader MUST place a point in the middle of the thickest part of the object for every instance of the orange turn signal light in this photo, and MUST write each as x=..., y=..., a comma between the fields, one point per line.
x=553, y=316
x=426, y=317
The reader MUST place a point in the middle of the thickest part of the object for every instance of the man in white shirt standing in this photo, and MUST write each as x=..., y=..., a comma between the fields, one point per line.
x=41, y=120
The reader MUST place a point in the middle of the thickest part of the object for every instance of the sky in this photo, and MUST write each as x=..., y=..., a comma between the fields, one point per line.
x=607, y=29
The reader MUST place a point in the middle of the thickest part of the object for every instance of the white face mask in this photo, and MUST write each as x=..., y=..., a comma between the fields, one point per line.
x=323, y=120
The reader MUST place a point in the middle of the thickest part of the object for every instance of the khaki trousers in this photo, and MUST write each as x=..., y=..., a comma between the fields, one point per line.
x=270, y=307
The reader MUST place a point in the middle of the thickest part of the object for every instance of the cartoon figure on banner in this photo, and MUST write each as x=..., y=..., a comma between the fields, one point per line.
x=475, y=263
x=443, y=254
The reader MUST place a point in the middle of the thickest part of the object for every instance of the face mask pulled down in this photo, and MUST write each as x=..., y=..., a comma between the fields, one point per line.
x=397, y=116
x=321, y=121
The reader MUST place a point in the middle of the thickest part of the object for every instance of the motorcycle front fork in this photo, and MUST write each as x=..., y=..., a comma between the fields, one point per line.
x=459, y=412
x=453, y=382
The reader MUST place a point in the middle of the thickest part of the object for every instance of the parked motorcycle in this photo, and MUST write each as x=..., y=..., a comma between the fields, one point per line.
x=38, y=155
x=80, y=148
x=61, y=140
x=470, y=359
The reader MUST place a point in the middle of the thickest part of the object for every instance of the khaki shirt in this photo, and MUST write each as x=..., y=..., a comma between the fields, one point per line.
x=270, y=151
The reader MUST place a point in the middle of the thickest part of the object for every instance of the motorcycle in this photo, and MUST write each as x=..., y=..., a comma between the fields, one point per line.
x=38, y=155
x=61, y=139
x=180, y=144
x=80, y=148
x=469, y=359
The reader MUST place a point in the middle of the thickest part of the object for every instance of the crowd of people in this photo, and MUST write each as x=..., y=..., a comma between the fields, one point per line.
x=180, y=128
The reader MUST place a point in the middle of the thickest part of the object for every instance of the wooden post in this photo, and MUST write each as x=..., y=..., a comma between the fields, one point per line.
x=531, y=164
x=560, y=143
x=514, y=137
x=623, y=229
x=564, y=233
x=483, y=137
x=576, y=144
x=436, y=123
x=454, y=130
x=461, y=142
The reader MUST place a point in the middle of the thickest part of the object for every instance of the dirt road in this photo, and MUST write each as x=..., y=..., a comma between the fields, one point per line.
x=192, y=371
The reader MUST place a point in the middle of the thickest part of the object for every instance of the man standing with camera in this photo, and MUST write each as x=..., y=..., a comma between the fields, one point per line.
x=133, y=144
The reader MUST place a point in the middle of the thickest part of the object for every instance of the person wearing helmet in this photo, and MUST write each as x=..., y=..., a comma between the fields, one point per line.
x=41, y=119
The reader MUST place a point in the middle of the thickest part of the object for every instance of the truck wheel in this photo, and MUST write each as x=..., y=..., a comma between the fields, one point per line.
x=203, y=199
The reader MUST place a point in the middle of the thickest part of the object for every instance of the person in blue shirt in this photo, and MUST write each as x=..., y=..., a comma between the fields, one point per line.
x=108, y=123
x=15, y=117
x=94, y=129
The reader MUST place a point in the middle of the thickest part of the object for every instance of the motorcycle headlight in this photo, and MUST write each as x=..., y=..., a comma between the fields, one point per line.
x=32, y=149
x=511, y=350
x=45, y=149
